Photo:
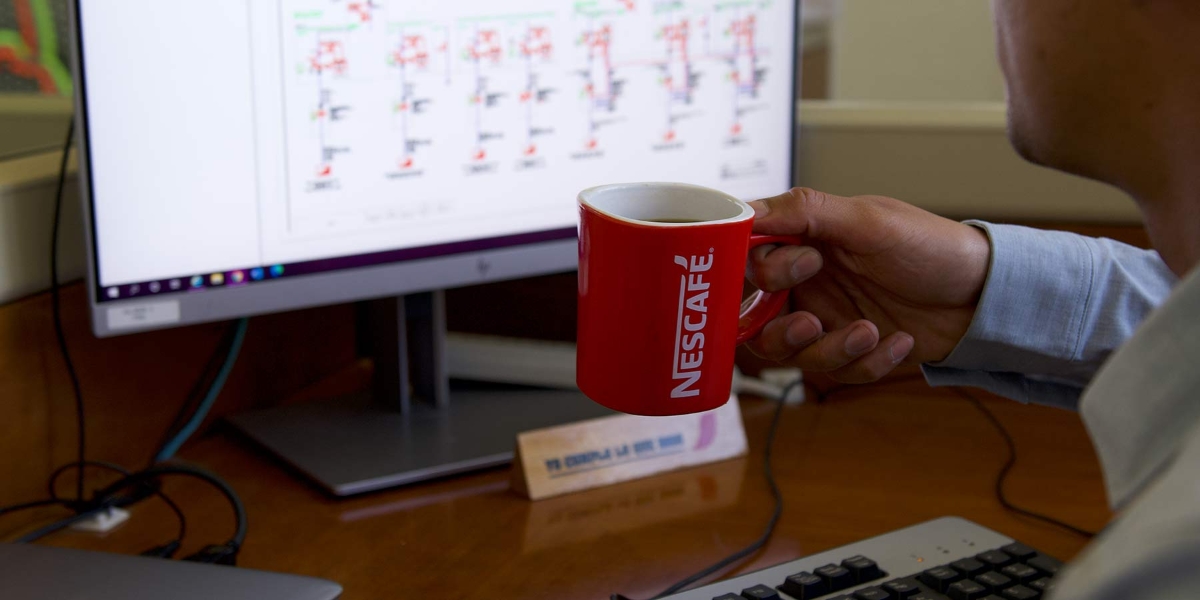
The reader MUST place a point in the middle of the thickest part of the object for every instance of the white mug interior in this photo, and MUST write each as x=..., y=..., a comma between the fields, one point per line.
x=652, y=203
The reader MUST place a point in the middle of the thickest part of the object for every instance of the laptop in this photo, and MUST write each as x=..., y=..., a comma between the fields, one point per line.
x=29, y=572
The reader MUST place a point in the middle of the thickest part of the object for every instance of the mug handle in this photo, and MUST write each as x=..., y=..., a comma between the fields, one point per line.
x=759, y=309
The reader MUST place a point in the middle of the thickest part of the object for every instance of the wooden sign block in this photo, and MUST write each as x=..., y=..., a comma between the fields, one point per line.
x=579, y=456
x=578, y=518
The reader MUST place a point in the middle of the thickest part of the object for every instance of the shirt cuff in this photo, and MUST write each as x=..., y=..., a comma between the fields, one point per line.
x=1013, y=386
x=1025, y=338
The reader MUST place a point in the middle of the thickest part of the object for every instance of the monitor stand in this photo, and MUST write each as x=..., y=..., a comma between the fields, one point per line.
x=411, y=426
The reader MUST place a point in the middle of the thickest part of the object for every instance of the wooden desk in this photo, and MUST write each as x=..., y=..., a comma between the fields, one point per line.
x=865, y=462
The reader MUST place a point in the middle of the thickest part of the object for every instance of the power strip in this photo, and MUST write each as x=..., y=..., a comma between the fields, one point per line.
x=511, y=360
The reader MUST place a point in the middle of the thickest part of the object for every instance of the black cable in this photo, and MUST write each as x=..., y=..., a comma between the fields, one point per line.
x=1002, y=477
x=59, y=525
x=146, y=482
x=89, y=508
x=35, y=504
x=54, y=301
x=179, y=535
x=148, y=476
x=54, y=497
x=770, y=528
x=52, y=482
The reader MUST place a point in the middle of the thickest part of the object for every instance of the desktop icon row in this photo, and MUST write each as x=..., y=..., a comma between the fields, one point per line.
x=195, y=282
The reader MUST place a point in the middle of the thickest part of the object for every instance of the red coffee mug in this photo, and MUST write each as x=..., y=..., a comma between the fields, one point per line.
x=661, y=270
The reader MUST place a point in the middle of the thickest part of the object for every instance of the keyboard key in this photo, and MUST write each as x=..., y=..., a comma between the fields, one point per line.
x=863, y=568
x=1042, y=585
x=1045, y=564
x=730, y=596
x=969, y=567
x=929, y=596
x=995, y=559
x=1020, y=592
x=901, y=588
x=837, y=578
x=1021, y=573
x=993, y=580
x=1018, y=551
x=940, y=578
x=992, y=597
x=966, y=590
x=760, y=592
x=872, y=593
x=804, y=586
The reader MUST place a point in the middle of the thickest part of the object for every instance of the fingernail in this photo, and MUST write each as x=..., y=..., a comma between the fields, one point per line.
x=900, y=348
x=760, y=209
x=859, y=341
x=806, y=265
x=802, y=332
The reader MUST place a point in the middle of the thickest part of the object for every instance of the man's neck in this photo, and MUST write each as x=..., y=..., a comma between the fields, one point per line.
x=1172, y=217
x=1166, y=179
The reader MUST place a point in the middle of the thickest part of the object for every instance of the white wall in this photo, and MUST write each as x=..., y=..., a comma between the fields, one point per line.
x=912, y=50
x=952, y=159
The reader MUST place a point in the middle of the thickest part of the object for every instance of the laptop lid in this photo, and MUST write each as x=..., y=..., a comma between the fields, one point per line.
x=29, y=572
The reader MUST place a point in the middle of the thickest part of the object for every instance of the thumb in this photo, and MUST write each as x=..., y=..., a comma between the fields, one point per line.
x=806, y=212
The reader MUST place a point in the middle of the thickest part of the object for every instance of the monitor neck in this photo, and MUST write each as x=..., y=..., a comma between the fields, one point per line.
x=406, y=337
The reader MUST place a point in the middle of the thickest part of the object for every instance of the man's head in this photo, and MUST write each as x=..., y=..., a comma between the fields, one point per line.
x=1093, y=83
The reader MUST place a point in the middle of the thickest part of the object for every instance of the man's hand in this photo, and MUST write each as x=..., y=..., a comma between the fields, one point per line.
x=875, y=268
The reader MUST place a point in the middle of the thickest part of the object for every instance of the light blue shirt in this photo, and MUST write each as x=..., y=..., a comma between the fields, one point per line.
x=1055, y=306
x=1105, y=328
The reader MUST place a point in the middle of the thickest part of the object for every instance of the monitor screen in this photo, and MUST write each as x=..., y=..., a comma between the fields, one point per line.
x=236, y=142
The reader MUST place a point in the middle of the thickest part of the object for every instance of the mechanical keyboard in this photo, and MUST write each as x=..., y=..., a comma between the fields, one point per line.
x=944, y=559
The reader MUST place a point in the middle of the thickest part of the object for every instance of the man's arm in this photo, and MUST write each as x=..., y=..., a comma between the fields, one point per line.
x=1054, y=307
x=1025, y=313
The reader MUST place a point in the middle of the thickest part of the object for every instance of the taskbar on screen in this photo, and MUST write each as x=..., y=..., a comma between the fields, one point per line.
x=260, y=274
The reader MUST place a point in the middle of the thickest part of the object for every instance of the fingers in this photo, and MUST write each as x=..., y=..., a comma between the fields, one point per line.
x=846, y=222
x=777, y=268
x=853, y=354
x=837, y=349
x=785, y=335
x=886, y=356
x=797, y=339
x=802, y=211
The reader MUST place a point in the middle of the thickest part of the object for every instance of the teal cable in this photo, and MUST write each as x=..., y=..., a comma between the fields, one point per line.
x=170, y=448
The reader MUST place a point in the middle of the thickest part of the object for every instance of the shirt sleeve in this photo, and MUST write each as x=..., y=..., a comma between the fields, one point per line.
x=1054, y=307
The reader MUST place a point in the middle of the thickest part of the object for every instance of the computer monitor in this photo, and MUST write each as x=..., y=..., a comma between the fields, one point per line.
x=241, y=157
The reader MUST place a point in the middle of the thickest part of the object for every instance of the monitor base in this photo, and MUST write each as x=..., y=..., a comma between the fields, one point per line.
x=353, y=445
x=408, y=425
